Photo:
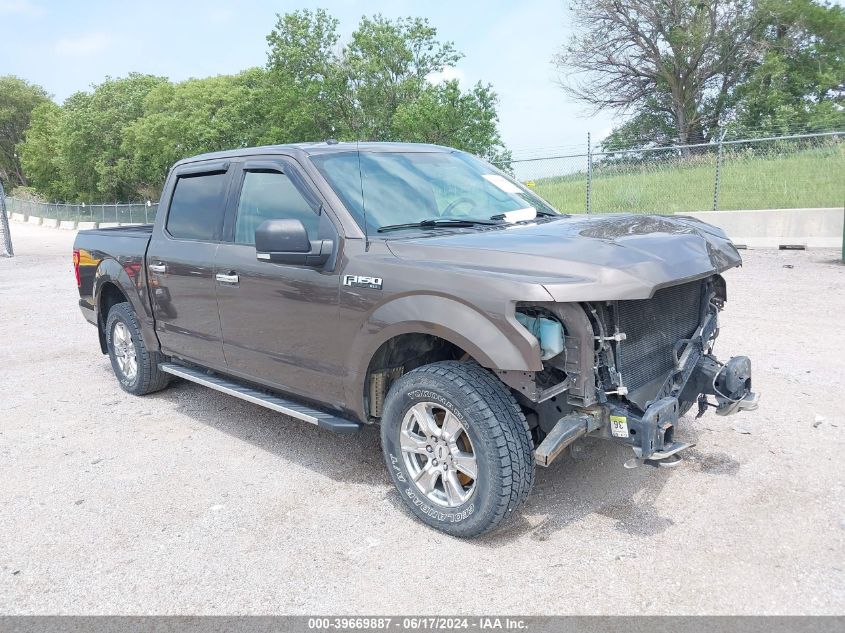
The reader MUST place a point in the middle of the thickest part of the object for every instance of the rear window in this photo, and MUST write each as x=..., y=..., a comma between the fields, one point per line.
x=196, y=209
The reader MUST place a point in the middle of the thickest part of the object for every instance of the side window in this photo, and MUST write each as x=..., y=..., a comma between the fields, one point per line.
x=271, y=196
x=196, y=209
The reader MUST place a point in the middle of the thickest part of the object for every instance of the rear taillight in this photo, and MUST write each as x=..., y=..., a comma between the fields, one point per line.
x=76, y=267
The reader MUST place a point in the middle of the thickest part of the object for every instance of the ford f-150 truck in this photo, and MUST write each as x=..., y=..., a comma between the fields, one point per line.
x=421, y=289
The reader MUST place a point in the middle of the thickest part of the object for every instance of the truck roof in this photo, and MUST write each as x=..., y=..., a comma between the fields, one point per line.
x=322, y=147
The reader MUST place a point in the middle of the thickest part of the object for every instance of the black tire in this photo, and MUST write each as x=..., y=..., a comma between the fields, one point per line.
x=499, y=436
x=684, y=407
x=148, y=377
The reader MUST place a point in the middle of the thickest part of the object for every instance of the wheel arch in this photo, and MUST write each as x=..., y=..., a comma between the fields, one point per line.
x=112, y=285
x=109, y=294
x=445, y=328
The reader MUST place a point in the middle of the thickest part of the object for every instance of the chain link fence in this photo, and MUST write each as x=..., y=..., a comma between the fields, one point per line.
x=800, y=171
x=121, y=213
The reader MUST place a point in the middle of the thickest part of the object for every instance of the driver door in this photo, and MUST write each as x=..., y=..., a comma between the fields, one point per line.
x=276, y=318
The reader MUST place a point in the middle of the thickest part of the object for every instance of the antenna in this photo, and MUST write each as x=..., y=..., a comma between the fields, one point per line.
x=363, y=204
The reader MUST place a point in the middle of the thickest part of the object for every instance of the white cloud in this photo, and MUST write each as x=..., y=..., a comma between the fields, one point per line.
x=84, y=45
x=21, y=7
x=447, y=73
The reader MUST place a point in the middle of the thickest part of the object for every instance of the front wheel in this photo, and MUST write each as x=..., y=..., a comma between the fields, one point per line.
x=458, y=447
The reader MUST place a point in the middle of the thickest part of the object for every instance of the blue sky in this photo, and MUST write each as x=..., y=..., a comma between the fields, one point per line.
x=67, y=46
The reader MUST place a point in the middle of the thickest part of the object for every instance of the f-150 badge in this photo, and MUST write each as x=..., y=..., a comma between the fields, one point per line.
x=362, y=281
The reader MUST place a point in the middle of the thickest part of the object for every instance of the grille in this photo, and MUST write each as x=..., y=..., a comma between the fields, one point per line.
x=652, y=327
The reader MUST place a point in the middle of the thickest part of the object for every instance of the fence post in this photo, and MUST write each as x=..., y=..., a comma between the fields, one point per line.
x=6, y=247
x=718, y=172
x=589, y=174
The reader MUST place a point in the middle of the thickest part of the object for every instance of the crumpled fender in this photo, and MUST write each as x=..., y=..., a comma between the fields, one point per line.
x=493, y=343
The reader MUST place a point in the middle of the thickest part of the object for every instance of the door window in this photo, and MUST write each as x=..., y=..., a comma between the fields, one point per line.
x=271, y=196
x=196, y=209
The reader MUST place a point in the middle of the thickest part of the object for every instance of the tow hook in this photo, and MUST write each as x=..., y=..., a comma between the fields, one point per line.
x=732, y=388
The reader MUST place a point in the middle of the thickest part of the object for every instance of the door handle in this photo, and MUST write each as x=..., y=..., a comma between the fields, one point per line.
x=224, y=278
x=158, y=268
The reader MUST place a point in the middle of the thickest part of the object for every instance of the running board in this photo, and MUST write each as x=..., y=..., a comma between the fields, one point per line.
x=231, y=387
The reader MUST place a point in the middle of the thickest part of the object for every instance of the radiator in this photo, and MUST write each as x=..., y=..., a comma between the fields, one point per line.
x=652, y=327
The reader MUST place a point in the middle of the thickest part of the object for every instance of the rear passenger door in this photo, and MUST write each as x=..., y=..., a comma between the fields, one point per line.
x=180, y=264
x=277, y=319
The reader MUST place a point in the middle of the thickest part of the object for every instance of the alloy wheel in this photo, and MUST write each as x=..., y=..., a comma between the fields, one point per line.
x=124, y=351
x=438, y=454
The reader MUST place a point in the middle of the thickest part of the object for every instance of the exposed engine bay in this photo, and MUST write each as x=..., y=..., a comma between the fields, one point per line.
x=627, y=370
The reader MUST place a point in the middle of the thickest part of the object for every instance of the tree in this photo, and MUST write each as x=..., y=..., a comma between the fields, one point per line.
x=443, y=115
x=386, y=65
x=193, y=117
x=117, y=141
x=674, y=63
x=39, y=152
x=799, y=85
x=304, y=84
x=376, y=87
x=95, y=164
x=18, y=98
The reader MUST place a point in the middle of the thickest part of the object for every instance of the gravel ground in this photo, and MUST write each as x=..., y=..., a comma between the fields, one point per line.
x=190, y=501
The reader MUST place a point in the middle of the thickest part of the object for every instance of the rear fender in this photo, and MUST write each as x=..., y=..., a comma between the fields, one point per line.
x=110, y=271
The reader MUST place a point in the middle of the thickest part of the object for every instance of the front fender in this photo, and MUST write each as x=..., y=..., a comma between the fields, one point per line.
x=495, y=343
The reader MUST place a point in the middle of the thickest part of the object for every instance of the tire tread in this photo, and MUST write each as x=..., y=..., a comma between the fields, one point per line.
x=496, y=408
x=150, y=377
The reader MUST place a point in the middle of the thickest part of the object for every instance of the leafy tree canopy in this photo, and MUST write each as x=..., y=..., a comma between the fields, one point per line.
x=117, y=141
x=18, y=98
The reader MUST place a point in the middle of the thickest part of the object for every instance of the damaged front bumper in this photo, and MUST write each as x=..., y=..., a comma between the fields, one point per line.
x=651, y=433
x=630, y=369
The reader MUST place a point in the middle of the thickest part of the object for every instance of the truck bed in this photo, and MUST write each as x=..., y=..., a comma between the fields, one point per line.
x=137, y=230
x=118, y=254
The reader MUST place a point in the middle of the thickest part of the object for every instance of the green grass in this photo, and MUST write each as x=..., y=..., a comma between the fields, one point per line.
x=805, y=178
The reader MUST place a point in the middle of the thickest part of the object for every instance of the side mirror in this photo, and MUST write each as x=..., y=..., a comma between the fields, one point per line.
x=286, y=242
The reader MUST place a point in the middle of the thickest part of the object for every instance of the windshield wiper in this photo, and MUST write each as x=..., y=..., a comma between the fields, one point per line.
x=435, y=223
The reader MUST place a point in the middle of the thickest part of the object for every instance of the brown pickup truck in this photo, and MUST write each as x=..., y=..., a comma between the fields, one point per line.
x=421, y=289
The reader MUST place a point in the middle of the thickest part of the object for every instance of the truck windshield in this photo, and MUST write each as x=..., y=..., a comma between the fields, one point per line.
x=406, y=188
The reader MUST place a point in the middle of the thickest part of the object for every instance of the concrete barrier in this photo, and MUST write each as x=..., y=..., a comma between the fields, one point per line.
x=756, y=228
x=779, y=228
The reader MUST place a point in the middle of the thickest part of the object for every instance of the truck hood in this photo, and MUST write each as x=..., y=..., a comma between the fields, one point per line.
x=584, y=258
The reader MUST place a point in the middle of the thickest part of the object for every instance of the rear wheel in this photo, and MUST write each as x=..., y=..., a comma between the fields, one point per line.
x=458, y=447
x=135, y=367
